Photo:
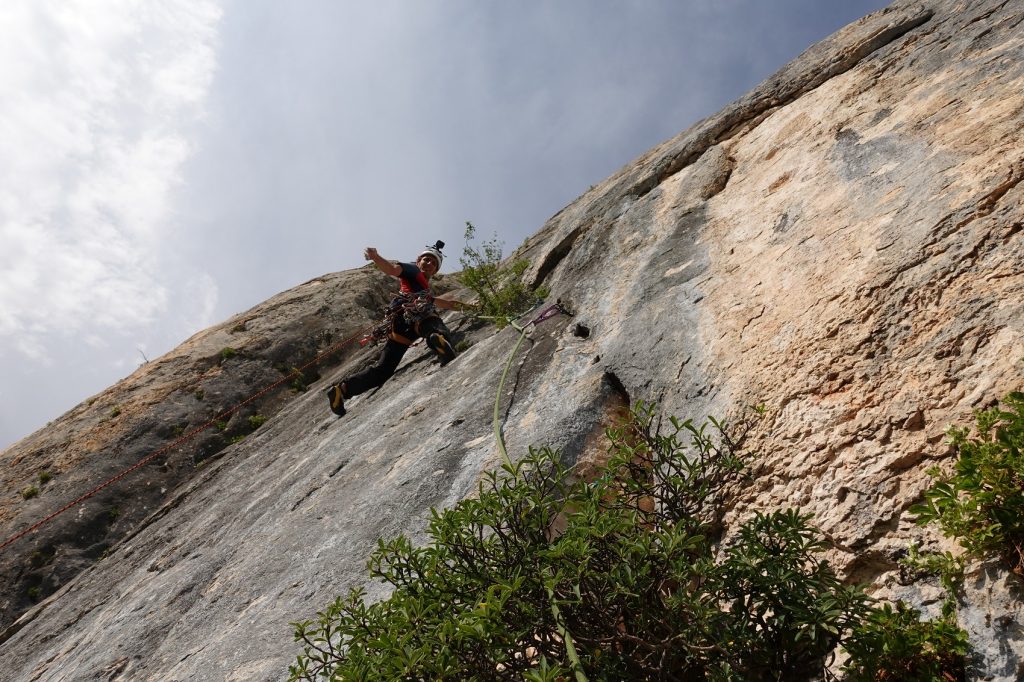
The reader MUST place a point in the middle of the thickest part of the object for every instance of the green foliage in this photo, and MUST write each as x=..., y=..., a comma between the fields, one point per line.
x=115, y=412
x=227, y=352
x=894, y=644
x=633, y=581
x=948, y=568
x=45, y=477
x=40, y=558
x=256, y=421
x=29, y=491
x=236, y=439
x=502, y=296
x=982, y=502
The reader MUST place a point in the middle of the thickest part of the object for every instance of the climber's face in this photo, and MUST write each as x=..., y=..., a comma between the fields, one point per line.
x=427, y=265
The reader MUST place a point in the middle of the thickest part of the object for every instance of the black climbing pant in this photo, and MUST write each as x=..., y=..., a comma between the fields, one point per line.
x=402, y=336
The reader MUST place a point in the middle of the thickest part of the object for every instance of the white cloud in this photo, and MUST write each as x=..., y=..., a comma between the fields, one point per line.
x=101, y=98
x=202, y=292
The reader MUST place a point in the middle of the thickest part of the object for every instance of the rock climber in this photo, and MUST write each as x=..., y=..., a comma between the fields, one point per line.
x=411, y=315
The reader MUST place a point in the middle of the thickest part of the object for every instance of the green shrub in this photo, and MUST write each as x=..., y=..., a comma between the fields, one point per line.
x=227, y=352
x=948, y=568
x=256, y=421
x=45, y=477
x=630, y=589
x=982, y=502
x=29, y=491
x=502, y=296
x=894, y=644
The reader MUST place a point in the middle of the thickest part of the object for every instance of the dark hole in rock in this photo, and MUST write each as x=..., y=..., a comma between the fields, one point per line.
x=581, y=331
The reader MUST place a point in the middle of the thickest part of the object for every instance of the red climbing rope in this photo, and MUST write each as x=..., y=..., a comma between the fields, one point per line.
x=296, y=371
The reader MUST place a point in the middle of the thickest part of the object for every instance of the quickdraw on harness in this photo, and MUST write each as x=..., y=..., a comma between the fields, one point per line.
x=413, y=307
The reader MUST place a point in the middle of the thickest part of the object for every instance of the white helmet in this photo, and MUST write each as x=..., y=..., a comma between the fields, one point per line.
x=434, y=251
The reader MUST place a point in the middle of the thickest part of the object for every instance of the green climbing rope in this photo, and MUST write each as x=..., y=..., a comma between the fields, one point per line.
x=563, y=632
x=501, y=384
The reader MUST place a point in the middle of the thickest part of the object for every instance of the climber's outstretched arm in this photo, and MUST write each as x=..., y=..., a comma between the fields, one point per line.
x=383, y=264
x=449, y=304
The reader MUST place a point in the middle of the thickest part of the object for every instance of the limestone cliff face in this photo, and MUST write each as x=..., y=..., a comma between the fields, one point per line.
x=844, y=245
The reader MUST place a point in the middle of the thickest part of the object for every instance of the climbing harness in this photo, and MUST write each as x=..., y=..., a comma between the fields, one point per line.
x=414, y=307
x=220, y=418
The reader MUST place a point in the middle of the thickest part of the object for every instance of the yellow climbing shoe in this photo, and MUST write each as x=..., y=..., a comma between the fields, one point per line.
x=439, y=344
x=336, y=397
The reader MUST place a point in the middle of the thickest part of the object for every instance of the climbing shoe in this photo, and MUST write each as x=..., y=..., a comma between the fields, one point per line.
x=336, y=397
x=439, y=344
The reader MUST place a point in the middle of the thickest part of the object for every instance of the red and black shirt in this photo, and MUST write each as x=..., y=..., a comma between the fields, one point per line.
x=412, y=279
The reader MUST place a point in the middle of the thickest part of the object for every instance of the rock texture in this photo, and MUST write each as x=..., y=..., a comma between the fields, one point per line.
x=154, y=408
x=844, y=245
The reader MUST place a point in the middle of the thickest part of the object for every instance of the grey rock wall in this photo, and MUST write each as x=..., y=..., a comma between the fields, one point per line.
x=844, y=245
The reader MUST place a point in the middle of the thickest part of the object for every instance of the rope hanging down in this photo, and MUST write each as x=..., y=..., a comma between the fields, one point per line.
x=296, y=371
x=549, y=312
x=563, y=631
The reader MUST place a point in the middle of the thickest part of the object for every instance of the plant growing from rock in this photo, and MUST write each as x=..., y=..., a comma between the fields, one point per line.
x=981, y=503
x=632, y=587
x=948, y=568
x=893, y=643
x=502, y=296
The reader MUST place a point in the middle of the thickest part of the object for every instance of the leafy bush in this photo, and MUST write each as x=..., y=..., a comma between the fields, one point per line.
x=28, y=492
x=948, y=568
x=632, y=587
x=501, y=294
x=256, y=421
x=894, y=644
x=982, y=502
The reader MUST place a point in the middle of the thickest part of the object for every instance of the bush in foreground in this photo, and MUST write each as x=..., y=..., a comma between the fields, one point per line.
x=544, y=577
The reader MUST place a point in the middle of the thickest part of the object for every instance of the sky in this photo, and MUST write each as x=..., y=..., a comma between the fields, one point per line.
x=166, y=165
